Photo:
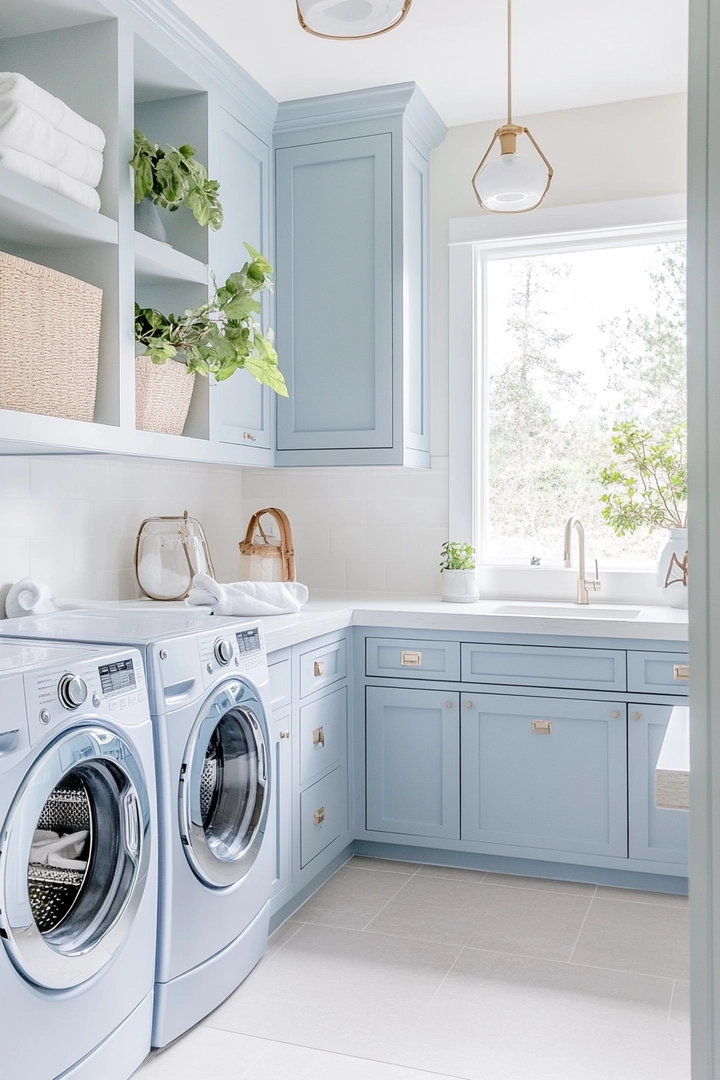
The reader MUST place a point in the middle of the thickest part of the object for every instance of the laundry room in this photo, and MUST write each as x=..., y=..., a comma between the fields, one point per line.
x=357, y=420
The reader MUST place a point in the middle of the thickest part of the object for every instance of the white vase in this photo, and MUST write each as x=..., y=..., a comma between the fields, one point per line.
x=459, y=587
x=676, y=594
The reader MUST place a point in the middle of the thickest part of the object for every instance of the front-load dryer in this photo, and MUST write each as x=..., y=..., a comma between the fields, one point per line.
x=78, y=863
x=208, y=681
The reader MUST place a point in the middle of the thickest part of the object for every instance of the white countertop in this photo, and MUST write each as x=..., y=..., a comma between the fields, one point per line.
x=672, y=772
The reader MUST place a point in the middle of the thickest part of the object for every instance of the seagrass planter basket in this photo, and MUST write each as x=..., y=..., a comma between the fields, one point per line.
x=49, y=340
x=162, y=395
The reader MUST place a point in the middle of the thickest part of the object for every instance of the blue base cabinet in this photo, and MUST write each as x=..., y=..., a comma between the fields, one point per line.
x=544, y=773
x=413, y=762
x=657, y=835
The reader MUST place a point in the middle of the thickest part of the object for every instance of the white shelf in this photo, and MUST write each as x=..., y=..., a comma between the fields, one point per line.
x=34, y=216
x=160, y=264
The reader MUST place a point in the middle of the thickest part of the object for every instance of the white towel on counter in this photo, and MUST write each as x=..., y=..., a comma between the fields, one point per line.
x=50, y=177
x=28, y=597
x=23, y=129
x=248, y=597
x=51, y=849
x=16, y=87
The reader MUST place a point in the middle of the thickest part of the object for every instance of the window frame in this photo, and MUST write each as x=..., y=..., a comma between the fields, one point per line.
x=476, y=241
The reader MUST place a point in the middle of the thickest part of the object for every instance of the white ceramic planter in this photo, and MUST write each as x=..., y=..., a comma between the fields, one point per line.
x=677, y=545
x=459, y=586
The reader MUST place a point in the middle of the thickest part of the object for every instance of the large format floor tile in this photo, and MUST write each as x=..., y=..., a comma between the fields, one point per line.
x=213, y=1055
x=648, y=938
x=287, y=1062
x=351, y=898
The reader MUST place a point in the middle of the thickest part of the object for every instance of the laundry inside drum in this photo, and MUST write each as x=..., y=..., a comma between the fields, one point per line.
x=60, y=853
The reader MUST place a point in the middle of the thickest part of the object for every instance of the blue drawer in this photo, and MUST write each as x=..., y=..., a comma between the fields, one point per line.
x=323, y=734
x=531, y=665
x=280, y=685
x=403, y=659
x=658, y=673
x=323, y=814
x=323, y=664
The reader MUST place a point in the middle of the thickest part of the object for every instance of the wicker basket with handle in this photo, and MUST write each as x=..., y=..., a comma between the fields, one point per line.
x=266, y=559
x=49, y=340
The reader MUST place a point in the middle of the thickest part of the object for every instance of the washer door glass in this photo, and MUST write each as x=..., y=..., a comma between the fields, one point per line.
x=75, y=855
x=224, y=786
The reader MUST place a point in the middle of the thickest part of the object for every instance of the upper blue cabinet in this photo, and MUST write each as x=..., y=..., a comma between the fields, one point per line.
x=352, y=277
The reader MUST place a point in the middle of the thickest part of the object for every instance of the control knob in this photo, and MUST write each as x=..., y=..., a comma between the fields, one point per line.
x=223, y=651
x=72, y=691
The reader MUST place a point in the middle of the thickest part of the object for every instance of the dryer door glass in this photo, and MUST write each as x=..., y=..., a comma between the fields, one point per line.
x=75, y=861
x=224, y=786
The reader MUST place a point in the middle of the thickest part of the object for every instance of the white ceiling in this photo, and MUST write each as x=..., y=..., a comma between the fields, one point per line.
x=568, y=53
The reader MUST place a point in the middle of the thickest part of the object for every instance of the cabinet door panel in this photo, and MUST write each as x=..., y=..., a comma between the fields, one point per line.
x=412, y=761
x=323, y=735
x=544, y=773
x=660, y=835
x=334, y=215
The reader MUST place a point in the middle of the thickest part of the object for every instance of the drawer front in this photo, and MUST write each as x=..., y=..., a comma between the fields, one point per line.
x=658, y=673
x=280, y=685
x=529, y=665
x=322, y=666
x=323, y=735
x=323, y=814
x=404, y=659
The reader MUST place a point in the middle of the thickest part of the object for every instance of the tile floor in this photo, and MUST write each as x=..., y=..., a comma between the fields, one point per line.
x=394, y=971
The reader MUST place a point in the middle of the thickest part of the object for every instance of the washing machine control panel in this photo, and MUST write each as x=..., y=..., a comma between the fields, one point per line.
x=72, y=691
x=234, y=649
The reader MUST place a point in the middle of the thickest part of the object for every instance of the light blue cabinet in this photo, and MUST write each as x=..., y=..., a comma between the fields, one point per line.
x=413, y=762
x=352, y=277
x=548, y=774
x=658, y=835
x=282, y=823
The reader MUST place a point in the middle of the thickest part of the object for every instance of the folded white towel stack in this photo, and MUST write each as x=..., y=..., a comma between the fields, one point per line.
x=27, y=597
x=248, y=597
x=45, y=141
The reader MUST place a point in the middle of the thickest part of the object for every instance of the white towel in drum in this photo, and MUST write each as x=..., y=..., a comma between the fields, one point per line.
x=50, y=177
x=16, y=87
x=25, y=130
x=248, y=597
x=27, y=597
x=50, y=849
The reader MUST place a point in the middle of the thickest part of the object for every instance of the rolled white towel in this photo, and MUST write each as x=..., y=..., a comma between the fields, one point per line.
x=50, y=177
x=248, y=597
x=16, y=87
x=23, y=129
x=27, y=597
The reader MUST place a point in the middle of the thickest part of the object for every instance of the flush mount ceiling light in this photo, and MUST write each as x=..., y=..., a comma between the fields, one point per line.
x=345, y=20
x=511, y=183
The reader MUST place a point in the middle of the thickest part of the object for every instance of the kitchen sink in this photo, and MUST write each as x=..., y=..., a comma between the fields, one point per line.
x=569, y=611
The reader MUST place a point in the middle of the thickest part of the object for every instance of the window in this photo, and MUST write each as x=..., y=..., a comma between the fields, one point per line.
x=571, y=332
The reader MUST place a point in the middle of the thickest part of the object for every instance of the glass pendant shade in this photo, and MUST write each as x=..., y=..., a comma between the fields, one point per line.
x=347, y=19
x=512, y=183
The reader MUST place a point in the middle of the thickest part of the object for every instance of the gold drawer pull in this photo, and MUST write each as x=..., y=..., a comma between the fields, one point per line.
x=284, y=734
x=319, y=668
x=319, y=816
x=681, y=672
x=249, y=437
x=410, y=658
x=542, y=727
x=319, y=736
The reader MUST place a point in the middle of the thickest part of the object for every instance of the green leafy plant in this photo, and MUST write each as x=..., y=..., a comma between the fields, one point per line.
x=171, y=177
x=647, y=486
x=457, y=556
x=220, y=337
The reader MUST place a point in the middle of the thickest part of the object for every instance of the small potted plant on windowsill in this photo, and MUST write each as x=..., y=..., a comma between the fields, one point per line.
x=171, y=178
x=459, y=584
x=647, y=487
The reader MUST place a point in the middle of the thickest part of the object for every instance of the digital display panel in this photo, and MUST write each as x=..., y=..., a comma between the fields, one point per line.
x=117, y=678
x=249, y=641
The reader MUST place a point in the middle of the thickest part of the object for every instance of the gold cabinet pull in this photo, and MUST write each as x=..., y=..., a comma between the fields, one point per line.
x=319, y=816
x=319, y=668
x=468, y=704
x=249, y=437
x=681, y=672
x=319, y=736
x=615, y=714
x=542, y=727
x=448, y=704
x=284, y=734
x=637, y=716
x=410, y=658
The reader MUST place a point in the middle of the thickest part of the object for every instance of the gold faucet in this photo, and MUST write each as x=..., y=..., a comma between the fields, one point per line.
x=583, y=583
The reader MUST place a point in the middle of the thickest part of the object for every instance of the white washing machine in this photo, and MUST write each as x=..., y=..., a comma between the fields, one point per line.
x=78, y=863
x=208, y=683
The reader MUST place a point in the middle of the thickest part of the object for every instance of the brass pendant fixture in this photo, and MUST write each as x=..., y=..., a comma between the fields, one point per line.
x=350, y=20
x=511, y=183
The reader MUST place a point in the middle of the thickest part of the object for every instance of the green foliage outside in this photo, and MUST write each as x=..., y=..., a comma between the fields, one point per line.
x=220, y=337
x=171, y=178
x=647, y=485
x=457, y=556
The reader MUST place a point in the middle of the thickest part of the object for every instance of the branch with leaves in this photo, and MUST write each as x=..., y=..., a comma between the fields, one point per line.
x=171, y=178
x=220, y=337
x=647, y=486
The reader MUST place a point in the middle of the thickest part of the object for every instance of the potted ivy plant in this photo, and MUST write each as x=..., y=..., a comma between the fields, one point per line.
x=214, y=340
x=171, y=177
x=457, y=565
x=646, y=487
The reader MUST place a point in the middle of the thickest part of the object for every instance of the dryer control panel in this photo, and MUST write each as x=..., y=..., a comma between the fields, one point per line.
x=239, y=647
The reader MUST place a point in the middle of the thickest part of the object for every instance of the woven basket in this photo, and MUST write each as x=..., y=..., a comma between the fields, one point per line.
x=262, y=558
x=49, y=340
x=162, y=395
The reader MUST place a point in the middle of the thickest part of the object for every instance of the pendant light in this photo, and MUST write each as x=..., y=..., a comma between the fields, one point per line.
x=345, y=20
x=512, y=183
